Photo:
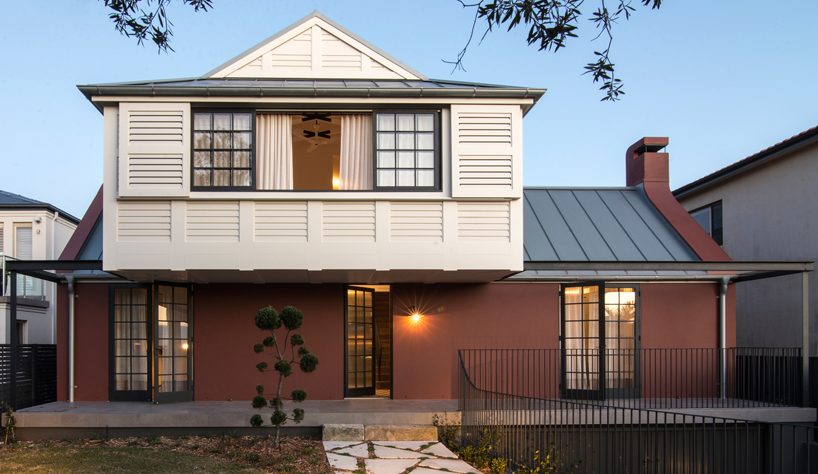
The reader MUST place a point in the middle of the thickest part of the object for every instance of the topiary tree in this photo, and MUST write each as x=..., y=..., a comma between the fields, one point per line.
x=268, y=319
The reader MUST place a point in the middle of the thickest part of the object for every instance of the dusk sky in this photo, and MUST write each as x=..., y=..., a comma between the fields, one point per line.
x=723, y=80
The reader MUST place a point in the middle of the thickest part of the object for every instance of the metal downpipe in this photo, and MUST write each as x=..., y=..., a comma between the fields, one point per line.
x=70, y=280
x=723, y=336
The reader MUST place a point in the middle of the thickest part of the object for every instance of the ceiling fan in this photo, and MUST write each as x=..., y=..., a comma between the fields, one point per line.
x=316, y=137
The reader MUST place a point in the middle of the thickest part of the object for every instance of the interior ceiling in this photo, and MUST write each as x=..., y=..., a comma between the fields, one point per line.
x=322, y=128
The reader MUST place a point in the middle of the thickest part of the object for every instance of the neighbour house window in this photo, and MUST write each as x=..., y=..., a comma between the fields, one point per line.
x=27, y=287
x=316, y=151
x=22, y=329
x=710, y=218
x=223, y=150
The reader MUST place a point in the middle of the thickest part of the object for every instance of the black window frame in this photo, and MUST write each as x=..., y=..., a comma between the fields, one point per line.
x=716, y=216
x=193, y=149
x=437, y=146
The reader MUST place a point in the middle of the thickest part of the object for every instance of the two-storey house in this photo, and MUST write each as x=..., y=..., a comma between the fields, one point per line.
x=316, y=171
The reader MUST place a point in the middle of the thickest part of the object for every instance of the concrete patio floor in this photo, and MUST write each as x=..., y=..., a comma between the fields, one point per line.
x=60, y=419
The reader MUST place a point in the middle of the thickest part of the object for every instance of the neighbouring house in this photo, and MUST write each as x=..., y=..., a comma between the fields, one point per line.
x=315, y=170
x=31, y=230
x=765, y=208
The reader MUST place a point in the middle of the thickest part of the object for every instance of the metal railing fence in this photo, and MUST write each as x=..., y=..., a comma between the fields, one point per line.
x=518, y=399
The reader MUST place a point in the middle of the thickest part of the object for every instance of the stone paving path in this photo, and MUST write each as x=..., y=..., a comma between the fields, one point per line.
x=394, y=457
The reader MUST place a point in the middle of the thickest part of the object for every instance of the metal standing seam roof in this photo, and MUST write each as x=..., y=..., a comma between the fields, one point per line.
x=597, y=225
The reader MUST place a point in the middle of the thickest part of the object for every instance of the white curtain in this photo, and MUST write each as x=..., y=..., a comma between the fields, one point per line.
x=274, y=160
x=356, y=151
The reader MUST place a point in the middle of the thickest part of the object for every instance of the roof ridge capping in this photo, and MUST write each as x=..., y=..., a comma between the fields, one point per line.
x=331, y=23
x=646, y=166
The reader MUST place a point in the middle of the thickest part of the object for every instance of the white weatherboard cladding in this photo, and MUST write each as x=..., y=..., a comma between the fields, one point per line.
x=416, y=221
x=486, y=151
x=143, y=221
x=280, y=222
x=484, y=221
x=349, y=221
x=212, y=221
x=154, y=149
x=301, y=237
x=317, y=50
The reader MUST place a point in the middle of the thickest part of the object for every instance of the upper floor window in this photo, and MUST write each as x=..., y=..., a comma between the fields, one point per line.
x=223, y=150
x=709, y=217
x=315, y=151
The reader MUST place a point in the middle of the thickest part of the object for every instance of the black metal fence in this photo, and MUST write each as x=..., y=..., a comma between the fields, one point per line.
x=35, y=378
x=518, y=393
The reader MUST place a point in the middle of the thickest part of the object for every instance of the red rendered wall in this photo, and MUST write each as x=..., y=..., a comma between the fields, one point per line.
x=465, y=316
x=91, y=337
x=224, y=334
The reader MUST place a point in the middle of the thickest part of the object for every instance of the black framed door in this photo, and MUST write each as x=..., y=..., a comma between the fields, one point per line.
x=582, y=339
x=359, y=350
x=622, y=331
x=129, y=339
x=173, y=343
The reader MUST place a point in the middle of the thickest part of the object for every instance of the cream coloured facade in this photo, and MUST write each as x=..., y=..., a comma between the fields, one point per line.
x=159, y=226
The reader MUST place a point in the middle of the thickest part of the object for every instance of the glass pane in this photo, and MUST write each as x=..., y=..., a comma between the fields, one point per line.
x=140, y=296
x=359, y=298
x=367, y=299
x=221, y=140
x=368, y=332
x=590, y=294
x=611, y=330
x=221, y=178
x=590, y=312
x=180, y=347
x=426, y=141
x=573, y=295
x=123, y=365
x=612, y=312
x=386, y=141
x=163, y=312
x=139, y=382
x=221, y=159
x=180, y=294
x=241, y=178
x=626, y=329
x=351, y=380
x=122, y=331
x=201, y=140
x=351, y=347
x=180, y=312
x=181, y=383
x=139, y=331
x=139, y=365
x=611, y=295
x=368, y=380
x=573, y=329
x=426, y=178
x=140, y=348
x=241, y=159
x=138, y=313
x=406, y=122
x=573, y=312
x=406, y=141
x=201, y=177
x=426, y=159
x=350, y=330
x=122, y=313
x=368, y=362
x=122, y=296
x=201, y=121
x=165, y=365
x=350, y=297
x=425, y=122
x=221, y=121
x=627, y=296
x=351, y=311
x=406, y=178
x=122, y=382
x=359, y=379
x=242, y=140
x=242, y=121
x=386, y=159
x=180, y=365
x=386, y=122
x=406, y=159
x=164, y=347
x=166, y=383
x=368, y=316
x=165, y=294
x=386, y=178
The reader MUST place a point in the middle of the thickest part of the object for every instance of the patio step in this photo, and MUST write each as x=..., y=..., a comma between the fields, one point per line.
x=350, y=432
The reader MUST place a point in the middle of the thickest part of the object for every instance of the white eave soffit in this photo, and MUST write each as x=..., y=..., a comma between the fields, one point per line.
x=314, y=48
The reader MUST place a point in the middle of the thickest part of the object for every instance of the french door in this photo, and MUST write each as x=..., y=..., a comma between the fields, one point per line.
x=359, y=350
x=599, y=341
x=151, y=343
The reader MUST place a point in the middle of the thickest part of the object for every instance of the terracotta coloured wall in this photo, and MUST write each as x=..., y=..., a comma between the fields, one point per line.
x=465, y=316
x=224, y=335
x=91, y=337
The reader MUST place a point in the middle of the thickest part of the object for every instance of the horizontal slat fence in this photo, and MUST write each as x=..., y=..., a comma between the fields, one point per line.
x=36, y=374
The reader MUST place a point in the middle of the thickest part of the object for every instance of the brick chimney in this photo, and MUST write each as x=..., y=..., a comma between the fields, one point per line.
x=646, y=166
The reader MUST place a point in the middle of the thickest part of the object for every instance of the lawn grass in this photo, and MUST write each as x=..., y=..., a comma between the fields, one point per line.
x=113, y=461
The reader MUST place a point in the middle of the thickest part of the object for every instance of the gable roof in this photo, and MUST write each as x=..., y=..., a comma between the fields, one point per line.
x=85, y=228
x=15, y=201
x=317, y=47
x=751, y=161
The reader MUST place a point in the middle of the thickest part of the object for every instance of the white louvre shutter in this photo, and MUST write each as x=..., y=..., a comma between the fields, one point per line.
x=22, y=246
x=1, y=239
x=487, y=151
x=154, y=149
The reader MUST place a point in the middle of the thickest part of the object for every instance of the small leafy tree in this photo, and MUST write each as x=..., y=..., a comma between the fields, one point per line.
x=268, y=319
